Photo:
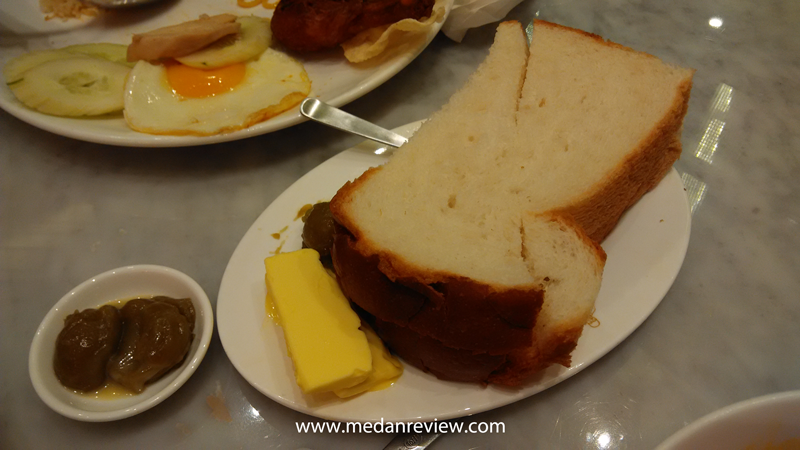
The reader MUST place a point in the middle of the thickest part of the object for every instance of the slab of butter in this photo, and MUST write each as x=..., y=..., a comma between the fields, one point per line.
x=386, y=369
x=322, y=333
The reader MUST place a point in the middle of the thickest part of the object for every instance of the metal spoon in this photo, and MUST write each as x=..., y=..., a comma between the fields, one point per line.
x=329, y=115
x=336, y=118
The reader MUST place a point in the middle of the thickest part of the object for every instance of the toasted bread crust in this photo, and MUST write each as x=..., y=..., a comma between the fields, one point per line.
x=438, y=333
x=449, y=311
x=432, y=356
x=513, y=369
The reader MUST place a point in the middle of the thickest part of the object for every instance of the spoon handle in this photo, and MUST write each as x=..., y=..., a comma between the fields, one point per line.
x=334, y=117
x=413, y=441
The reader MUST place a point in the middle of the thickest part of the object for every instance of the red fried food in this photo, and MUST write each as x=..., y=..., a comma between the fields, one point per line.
x=313, y=25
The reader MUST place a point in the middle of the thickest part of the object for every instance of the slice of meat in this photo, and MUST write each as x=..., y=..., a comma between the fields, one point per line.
x=313, y=25
x=182, y=39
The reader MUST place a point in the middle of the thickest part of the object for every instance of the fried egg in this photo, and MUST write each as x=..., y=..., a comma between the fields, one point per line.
x=175, y=99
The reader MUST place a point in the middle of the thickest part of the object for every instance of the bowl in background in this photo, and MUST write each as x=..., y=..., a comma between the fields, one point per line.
x=768, y=422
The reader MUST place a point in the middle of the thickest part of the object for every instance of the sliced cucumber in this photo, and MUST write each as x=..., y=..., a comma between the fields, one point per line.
x=78, y=86
x=117, y=53
x=14, y=69
x=254, y=37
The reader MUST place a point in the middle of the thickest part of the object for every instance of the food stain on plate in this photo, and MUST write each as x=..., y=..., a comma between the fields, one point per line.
x=302, y=214
x=219, y=409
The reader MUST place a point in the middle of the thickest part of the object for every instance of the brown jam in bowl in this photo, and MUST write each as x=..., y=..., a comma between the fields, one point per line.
x=132, y=346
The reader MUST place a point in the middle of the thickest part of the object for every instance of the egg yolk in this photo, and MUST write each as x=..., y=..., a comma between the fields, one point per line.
x=197, y=83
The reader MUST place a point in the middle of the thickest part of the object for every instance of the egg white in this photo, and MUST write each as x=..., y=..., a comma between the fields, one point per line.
x=272, y=84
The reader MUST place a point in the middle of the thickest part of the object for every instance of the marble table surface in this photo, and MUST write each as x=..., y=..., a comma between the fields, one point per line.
x=727, y=330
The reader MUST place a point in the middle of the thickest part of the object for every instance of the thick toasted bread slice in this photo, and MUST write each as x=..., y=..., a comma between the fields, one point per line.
x=507, y=190
x=409, y=200
x=568, y=266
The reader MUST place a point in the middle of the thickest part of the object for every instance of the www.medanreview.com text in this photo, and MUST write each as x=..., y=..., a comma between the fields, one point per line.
x=401, y=427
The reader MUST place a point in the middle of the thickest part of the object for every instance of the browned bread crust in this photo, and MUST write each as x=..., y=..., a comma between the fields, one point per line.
x=424, y=344
x=432, y=356
x=449, y=310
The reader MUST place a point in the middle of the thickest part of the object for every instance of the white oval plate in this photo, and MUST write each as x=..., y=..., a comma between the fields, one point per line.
x=118, y=284
x=645, y=253
x=760, y=423
x=23, y=29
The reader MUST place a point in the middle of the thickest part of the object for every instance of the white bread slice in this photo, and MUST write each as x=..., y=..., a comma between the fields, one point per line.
x=413, y=206
x=599, y=124
x=511, y=189
x=398, y=202
x=555, y=245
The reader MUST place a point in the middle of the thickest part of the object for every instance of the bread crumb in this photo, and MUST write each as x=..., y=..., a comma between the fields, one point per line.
x=593, y=321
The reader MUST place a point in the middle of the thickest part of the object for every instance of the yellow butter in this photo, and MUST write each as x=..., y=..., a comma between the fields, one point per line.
x=322, y=333
x=386, y=369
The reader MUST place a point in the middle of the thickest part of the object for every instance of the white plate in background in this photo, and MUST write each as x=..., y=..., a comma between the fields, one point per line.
x=645, y=253
x=23, y=28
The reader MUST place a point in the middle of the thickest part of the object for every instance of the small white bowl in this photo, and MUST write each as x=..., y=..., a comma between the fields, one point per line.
x=758, y=423
x=118, y=284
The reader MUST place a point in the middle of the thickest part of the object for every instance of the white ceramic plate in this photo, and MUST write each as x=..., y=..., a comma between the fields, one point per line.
x=767, y=422
x=23, y=28
x=645, y=253
x=118, y=284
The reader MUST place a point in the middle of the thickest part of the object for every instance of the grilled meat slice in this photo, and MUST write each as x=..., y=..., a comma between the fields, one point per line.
x=313, y=25
x=182, y=39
